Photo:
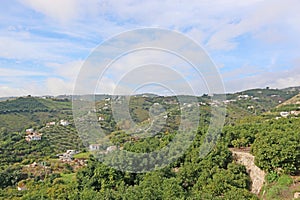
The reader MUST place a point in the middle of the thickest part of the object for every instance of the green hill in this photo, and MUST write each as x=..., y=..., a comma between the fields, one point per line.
x=250, y=123
x=21, y=113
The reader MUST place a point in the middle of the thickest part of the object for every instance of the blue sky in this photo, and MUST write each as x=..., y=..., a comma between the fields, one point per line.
x=254, y=43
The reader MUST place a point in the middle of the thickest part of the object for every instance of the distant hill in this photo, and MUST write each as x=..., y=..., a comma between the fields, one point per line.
x=6, y=98
x=296, y=88
x=292, y=104
x=23, y=112
x=258, y=101
x=274, y=142
x=293, y=100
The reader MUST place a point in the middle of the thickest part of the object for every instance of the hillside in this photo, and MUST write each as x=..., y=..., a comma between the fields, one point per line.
x=259, y=101
x=48, y=168
x=292, y=101
x=21, y=113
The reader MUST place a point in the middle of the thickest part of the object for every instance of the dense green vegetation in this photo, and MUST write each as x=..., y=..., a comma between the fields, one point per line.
x=274, y=143
x=34, y=165
x=24, y=112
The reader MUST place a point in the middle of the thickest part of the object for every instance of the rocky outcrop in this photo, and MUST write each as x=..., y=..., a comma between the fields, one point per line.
x=256, y=174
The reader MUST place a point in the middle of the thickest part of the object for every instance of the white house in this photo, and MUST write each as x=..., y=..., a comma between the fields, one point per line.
x=50, y=124
x=29, y=130
x=243, y=96
x=284, y=114
x=94, y=147
x=33, y=137
x=71, y=152
x=295, y=112
x=101, y=118
x=64, y=122
x=202, y=103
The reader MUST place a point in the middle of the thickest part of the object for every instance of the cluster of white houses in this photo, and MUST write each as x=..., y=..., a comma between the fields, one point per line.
x=32, y=135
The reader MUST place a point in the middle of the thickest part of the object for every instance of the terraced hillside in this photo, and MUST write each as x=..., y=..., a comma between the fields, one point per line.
x=24, y=112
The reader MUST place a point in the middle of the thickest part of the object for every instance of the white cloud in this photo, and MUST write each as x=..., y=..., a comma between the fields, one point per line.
x=278, y=79
x=34, y=50
x=63, y=10
x=67, y=70
x=67, y=74
x=6, y=91
x=14, y=72
x=265, y=14
x=61, y=38
x=57, y=86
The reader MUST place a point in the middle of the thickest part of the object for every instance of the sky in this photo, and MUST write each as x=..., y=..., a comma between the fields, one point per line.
x=44, y=44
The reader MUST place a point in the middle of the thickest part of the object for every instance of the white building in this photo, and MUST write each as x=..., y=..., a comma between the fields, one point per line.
x=64, y=122
x=50, y=124
x=284, y=114
x=29, y=130
x=243, y=96
x=295, y=112
x=33, y=137
x=94, y=147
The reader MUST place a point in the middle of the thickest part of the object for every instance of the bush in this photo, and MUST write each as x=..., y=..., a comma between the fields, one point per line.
x=271, y=177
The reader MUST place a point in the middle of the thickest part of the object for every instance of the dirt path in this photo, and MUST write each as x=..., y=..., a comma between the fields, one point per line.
x=256, y=174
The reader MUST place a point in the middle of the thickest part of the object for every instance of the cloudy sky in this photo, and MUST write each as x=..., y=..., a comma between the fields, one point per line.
x=254, y=43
